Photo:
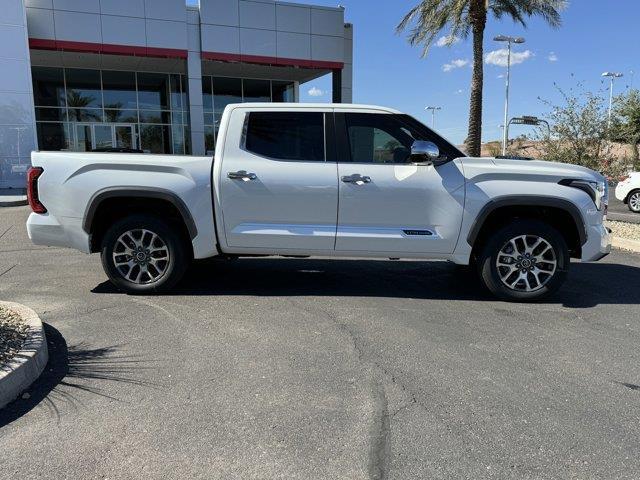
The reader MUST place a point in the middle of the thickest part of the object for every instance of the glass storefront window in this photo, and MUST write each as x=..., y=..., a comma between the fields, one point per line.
x=209, y=140
x=153, y=91
x=177, y=96
x=48, y=87
x=51, y=114
x=119, y=90
x=225, y=91
x=155, y=138
x=151, y=116
x=77, y=114
x=83, y=88
x=121, y=116
x=54, y=136
x=207, y=94
x=282, y=91
x=256, y=90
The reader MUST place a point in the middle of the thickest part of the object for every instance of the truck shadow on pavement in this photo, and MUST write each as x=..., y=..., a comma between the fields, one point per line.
x=67, y=373
x=587, y=285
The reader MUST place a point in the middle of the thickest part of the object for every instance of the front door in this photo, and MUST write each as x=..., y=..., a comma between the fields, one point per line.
x=387, y=203
x=278, y=186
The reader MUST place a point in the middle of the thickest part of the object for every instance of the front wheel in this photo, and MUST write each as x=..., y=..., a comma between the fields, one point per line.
x=633, y=201
x=143, y=254
x=524, y=261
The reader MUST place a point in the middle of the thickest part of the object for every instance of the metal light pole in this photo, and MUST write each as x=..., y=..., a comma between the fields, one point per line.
x=433, y=115
x=509, y=40
x=612, y=76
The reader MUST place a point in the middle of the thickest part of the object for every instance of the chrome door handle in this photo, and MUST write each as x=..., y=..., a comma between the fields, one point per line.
x=356, y=178
x=242, y=175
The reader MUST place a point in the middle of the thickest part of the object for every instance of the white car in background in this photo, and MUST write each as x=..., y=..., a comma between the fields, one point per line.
x=628, y=191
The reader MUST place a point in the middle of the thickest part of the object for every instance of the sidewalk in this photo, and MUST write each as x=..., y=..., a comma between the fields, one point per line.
x=12, y=197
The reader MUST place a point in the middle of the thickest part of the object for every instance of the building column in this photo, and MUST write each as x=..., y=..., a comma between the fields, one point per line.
x=347, y=71
x=336, y=85
x=17, y=113
x=194, y=76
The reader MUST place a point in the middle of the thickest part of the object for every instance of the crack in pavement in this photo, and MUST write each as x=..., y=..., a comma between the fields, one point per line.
x=6, y=231
x=9, y=269
x=380, y=444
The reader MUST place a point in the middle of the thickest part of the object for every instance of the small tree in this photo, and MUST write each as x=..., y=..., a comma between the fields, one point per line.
x=626, y=123
x=578, y=131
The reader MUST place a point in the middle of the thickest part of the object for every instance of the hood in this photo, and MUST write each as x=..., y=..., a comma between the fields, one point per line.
x=530, y=168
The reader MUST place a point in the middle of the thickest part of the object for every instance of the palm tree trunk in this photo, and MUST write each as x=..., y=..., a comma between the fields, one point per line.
x=474, y=138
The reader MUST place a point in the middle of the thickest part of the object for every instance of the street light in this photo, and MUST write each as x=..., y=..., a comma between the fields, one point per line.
x=612, y=76
x=529, y=120
x=433, y=115
x=509, y=40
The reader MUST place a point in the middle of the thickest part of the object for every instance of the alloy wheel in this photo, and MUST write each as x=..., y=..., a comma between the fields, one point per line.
x=141, y=256
x=634, y=202
x=526, y=263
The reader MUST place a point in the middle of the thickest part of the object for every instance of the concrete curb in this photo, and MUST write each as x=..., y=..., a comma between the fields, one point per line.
x=13, y=201
x=23, y=369
x=626, y=244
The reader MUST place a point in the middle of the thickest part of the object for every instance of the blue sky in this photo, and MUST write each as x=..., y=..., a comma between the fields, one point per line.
x=596, y=36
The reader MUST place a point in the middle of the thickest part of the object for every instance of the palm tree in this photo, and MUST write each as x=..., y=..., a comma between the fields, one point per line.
x=427, y=19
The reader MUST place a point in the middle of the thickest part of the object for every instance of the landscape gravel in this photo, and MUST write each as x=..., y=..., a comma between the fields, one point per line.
x=13, y=332
x=630, y=231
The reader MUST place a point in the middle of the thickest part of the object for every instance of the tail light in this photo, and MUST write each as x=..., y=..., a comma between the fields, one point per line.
x=32, y=190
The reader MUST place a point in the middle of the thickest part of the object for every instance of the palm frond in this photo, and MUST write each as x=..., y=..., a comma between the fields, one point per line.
x=520, y=10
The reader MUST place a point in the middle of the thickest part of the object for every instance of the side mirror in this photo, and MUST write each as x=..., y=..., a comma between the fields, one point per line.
x=423, y=151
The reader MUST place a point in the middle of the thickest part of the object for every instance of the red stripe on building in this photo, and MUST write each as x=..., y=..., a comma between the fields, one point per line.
x=107, y=49
x=111, y=49
x=262, y=60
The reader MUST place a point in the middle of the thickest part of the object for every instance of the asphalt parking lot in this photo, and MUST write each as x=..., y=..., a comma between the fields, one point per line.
x=316, y=369
x=620, y=212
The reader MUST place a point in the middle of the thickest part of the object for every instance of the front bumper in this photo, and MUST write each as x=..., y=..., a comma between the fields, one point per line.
x=598, y=243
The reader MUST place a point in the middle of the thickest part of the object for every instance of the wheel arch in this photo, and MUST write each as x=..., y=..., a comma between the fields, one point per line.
x=553, y=210
x=138, y=198
x=631, y=192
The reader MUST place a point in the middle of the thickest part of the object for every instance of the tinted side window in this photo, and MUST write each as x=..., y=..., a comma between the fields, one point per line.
x=387, y=138
x=286, y=135
x=378, y=138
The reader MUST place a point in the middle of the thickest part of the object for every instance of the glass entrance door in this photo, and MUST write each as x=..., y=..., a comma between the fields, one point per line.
x=91, y=136
x=124, y=136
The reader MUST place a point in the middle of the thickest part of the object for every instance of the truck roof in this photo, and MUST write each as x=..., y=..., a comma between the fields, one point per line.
x=293, y=105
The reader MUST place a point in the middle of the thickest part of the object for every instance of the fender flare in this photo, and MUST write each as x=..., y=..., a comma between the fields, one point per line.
x=139, y=192
x=528, y=201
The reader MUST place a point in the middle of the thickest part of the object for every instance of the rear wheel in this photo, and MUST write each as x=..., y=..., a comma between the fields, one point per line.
x=633, y=201
x=143, y=254
x=524, y=261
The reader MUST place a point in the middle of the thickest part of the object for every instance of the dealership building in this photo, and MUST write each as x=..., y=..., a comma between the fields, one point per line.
x=153, y=75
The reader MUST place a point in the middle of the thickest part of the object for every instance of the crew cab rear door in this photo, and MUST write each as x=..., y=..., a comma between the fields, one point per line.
x=387, y=203
x=278, y=184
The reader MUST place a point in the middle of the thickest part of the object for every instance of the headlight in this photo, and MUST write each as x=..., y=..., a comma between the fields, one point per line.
x=598, y=191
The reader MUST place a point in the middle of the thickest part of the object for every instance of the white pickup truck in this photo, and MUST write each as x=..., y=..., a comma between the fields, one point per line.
x=321, y=180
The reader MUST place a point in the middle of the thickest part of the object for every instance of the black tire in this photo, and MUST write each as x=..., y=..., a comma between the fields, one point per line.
x=633, y=201
x=168, y=272
x=490, y=275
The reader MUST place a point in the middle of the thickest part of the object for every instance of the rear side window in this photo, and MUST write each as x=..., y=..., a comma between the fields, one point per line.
x=286, y=135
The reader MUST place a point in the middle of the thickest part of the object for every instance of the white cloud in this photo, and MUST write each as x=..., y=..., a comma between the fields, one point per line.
x=458, y=92
x=552, y=57
x=316, y=92
x=458, y=63
x=500, y=76
x=499, y=57
x=447, y=41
